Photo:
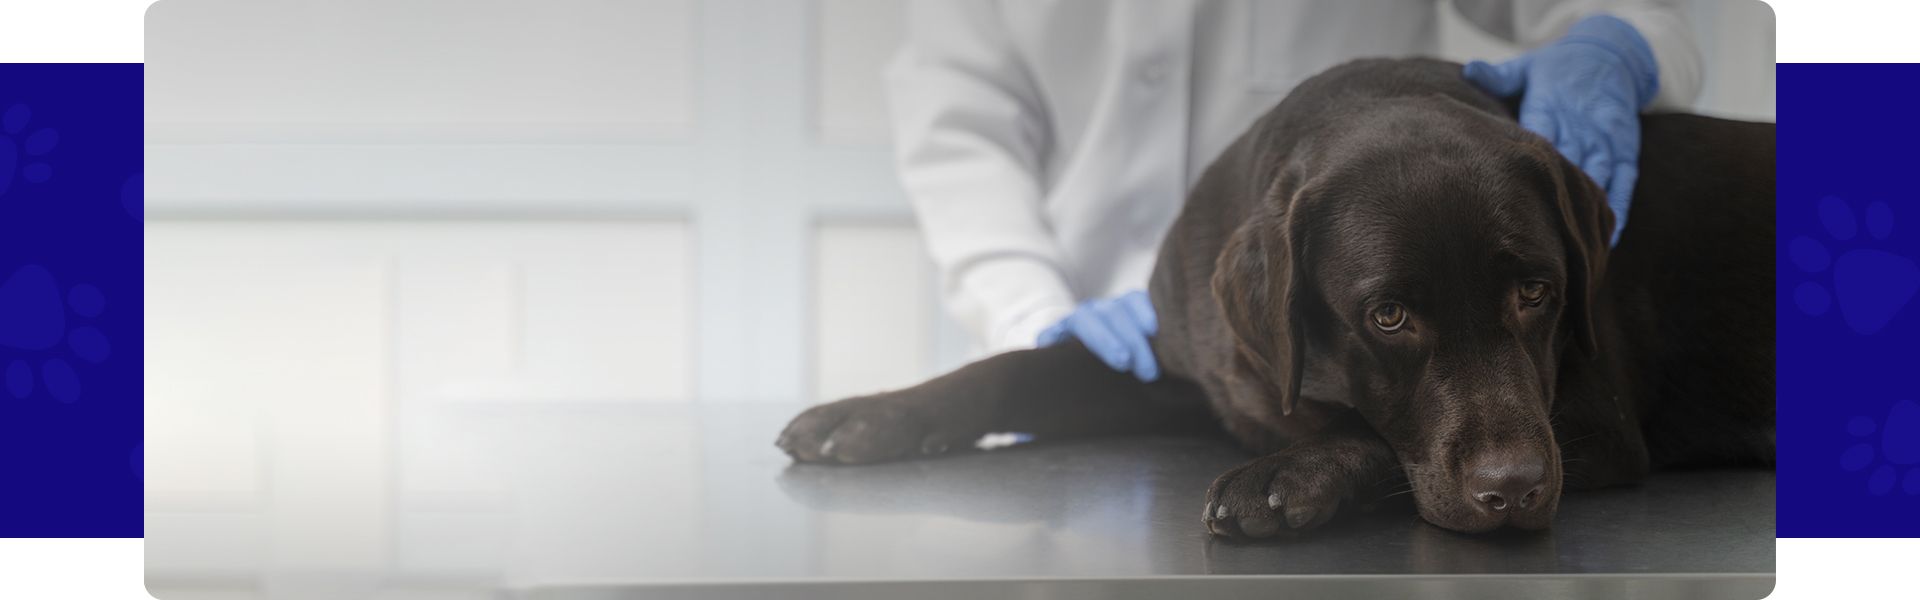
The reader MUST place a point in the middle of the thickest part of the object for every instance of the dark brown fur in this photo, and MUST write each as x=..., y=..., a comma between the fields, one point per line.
x=1395, y=180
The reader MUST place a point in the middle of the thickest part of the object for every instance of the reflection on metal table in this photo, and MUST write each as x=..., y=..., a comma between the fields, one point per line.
x=591, y=501
x=1120, y=517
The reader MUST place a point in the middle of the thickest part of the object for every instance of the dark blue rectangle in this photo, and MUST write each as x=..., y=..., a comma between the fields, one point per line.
x=70, y=300
x=1847, y=365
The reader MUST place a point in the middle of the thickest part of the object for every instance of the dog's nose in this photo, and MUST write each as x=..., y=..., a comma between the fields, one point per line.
x=1507, y=481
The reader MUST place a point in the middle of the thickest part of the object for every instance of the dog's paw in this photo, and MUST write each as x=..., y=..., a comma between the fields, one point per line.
x=1277, y=495
x=860, y=430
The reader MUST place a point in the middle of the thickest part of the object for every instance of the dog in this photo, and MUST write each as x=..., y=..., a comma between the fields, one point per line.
x=1387, y=284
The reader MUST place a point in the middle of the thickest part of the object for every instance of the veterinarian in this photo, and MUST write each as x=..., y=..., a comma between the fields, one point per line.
x=1047, y=146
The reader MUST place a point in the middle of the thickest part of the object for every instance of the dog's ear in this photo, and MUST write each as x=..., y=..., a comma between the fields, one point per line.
x=1256, y=281
x=1586, y=224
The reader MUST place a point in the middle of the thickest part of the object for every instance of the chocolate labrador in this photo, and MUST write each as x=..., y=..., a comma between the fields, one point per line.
x=1387, y=284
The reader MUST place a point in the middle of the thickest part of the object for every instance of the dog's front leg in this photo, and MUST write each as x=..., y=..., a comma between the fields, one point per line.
x=1303, y=486
x=1045, y=394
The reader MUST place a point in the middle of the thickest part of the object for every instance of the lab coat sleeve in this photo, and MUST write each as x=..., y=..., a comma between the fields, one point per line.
x=1535, y=22
x=969, y=138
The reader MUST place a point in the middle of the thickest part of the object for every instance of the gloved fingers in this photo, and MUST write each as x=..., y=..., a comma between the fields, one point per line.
x=1132, y=335
x=1573, y=148
x=1568, y=131
x=1626, y=172
x=1622, y=122
x=1620, y=195
x=1624, y=130
x=1099, y=338
x=1504, y=79
x=1051, y=335
x=1599, y=163
x=1140, y=308
x=1537, y=120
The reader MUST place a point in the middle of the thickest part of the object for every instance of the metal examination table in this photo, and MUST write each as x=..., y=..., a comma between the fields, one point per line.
x=1120, y=518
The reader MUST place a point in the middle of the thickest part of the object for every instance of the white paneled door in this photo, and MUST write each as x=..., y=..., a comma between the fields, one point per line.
x=455, y=311
x=744, y=122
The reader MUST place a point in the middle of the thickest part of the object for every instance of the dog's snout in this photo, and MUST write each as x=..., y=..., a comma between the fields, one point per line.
x=1507, y=481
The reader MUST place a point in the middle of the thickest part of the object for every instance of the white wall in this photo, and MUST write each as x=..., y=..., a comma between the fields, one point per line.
x=364, y=212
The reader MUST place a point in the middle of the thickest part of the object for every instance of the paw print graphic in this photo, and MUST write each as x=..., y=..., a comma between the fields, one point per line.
x=34, y=319
x=21, y=151
x=1869, y=286
x=1898, y=447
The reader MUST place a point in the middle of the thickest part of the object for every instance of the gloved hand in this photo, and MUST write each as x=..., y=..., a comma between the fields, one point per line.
x=1584, y=93
x=1115, y=329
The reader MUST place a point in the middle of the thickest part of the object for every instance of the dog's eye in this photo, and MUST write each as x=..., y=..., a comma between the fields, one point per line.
x=1532, y=293
x=1390, y=317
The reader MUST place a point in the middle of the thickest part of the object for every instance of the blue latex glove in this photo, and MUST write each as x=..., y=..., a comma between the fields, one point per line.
x=1115, y=329
x=1584, y=93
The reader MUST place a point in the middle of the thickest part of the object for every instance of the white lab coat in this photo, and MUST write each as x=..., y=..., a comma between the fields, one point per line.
x=1047, y=145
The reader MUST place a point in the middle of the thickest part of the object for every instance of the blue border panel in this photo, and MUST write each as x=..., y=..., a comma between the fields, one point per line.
x=70, y=300
x=1848, y=363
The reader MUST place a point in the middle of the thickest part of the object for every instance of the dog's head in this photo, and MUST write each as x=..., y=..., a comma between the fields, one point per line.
x=1430, y=266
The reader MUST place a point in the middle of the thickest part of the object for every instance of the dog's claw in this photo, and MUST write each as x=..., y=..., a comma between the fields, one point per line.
x=1208, y=519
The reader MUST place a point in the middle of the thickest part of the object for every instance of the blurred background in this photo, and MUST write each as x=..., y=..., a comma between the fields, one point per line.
x=364, y=214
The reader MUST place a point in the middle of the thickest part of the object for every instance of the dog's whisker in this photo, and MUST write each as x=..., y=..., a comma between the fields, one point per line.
x=1389, y=478
x=1395, y=491
x=1399, y=493
x=1572, y=441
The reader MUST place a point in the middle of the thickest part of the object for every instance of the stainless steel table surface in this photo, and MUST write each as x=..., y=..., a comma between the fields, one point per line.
x=1109, y=518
